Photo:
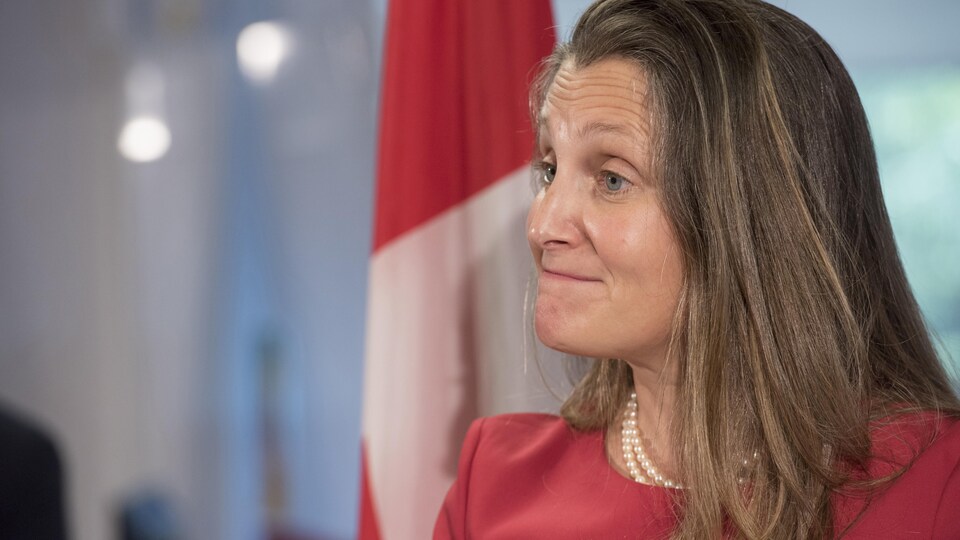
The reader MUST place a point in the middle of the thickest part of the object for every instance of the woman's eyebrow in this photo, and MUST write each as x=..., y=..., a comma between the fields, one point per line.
x=590, y=128
x=602, y=128
x=543, y=123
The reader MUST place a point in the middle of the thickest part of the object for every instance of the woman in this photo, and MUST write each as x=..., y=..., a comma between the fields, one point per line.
x=710, y=230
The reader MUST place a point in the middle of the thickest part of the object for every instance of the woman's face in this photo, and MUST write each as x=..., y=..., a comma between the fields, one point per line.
x=610, y=271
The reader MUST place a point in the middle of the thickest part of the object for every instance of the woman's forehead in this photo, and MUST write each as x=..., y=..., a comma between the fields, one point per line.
x=605, y=97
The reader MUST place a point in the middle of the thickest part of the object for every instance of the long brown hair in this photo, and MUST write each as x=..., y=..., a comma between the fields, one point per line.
x=797, y=326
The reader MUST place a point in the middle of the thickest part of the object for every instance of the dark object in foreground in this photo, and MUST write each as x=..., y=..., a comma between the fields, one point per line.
x=31, y=482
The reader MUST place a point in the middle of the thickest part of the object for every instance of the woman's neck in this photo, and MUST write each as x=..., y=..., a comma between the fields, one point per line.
x=656, y=394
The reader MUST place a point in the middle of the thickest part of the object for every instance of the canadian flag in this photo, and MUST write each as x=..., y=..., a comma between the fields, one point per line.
x=450, y=264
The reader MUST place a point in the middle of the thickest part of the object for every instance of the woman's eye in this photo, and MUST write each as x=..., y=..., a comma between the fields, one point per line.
x=613, y=182
x=548, y=171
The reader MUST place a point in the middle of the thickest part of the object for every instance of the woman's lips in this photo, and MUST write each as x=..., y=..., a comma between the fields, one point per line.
x=566, y=276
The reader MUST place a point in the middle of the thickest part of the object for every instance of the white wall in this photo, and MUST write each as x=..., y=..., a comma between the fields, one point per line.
x=105, y=280
x=63, y=330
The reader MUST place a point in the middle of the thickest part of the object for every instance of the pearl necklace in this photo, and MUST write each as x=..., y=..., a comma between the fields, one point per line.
x=639, y=466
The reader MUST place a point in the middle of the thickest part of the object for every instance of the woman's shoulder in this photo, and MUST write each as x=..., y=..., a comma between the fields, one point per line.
x=919, y=448
x=936, y=439
x=525, y=438
x=533, y=476
x=515, y=427
x=534, y=422
x=921, y=453
x=916, y=439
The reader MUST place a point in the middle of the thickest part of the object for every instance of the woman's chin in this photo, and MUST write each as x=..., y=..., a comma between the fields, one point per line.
x=559, y=337
x=550, y=335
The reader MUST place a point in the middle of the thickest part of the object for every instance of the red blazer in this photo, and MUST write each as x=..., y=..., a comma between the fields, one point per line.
x=528, y=476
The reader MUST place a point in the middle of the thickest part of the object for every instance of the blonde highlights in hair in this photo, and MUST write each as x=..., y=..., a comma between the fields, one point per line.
x=797, y=326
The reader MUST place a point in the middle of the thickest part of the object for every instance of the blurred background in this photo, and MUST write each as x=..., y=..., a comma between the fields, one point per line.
x=186, y=193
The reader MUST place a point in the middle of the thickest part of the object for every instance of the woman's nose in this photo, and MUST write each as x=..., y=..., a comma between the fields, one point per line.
x=554, y=218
